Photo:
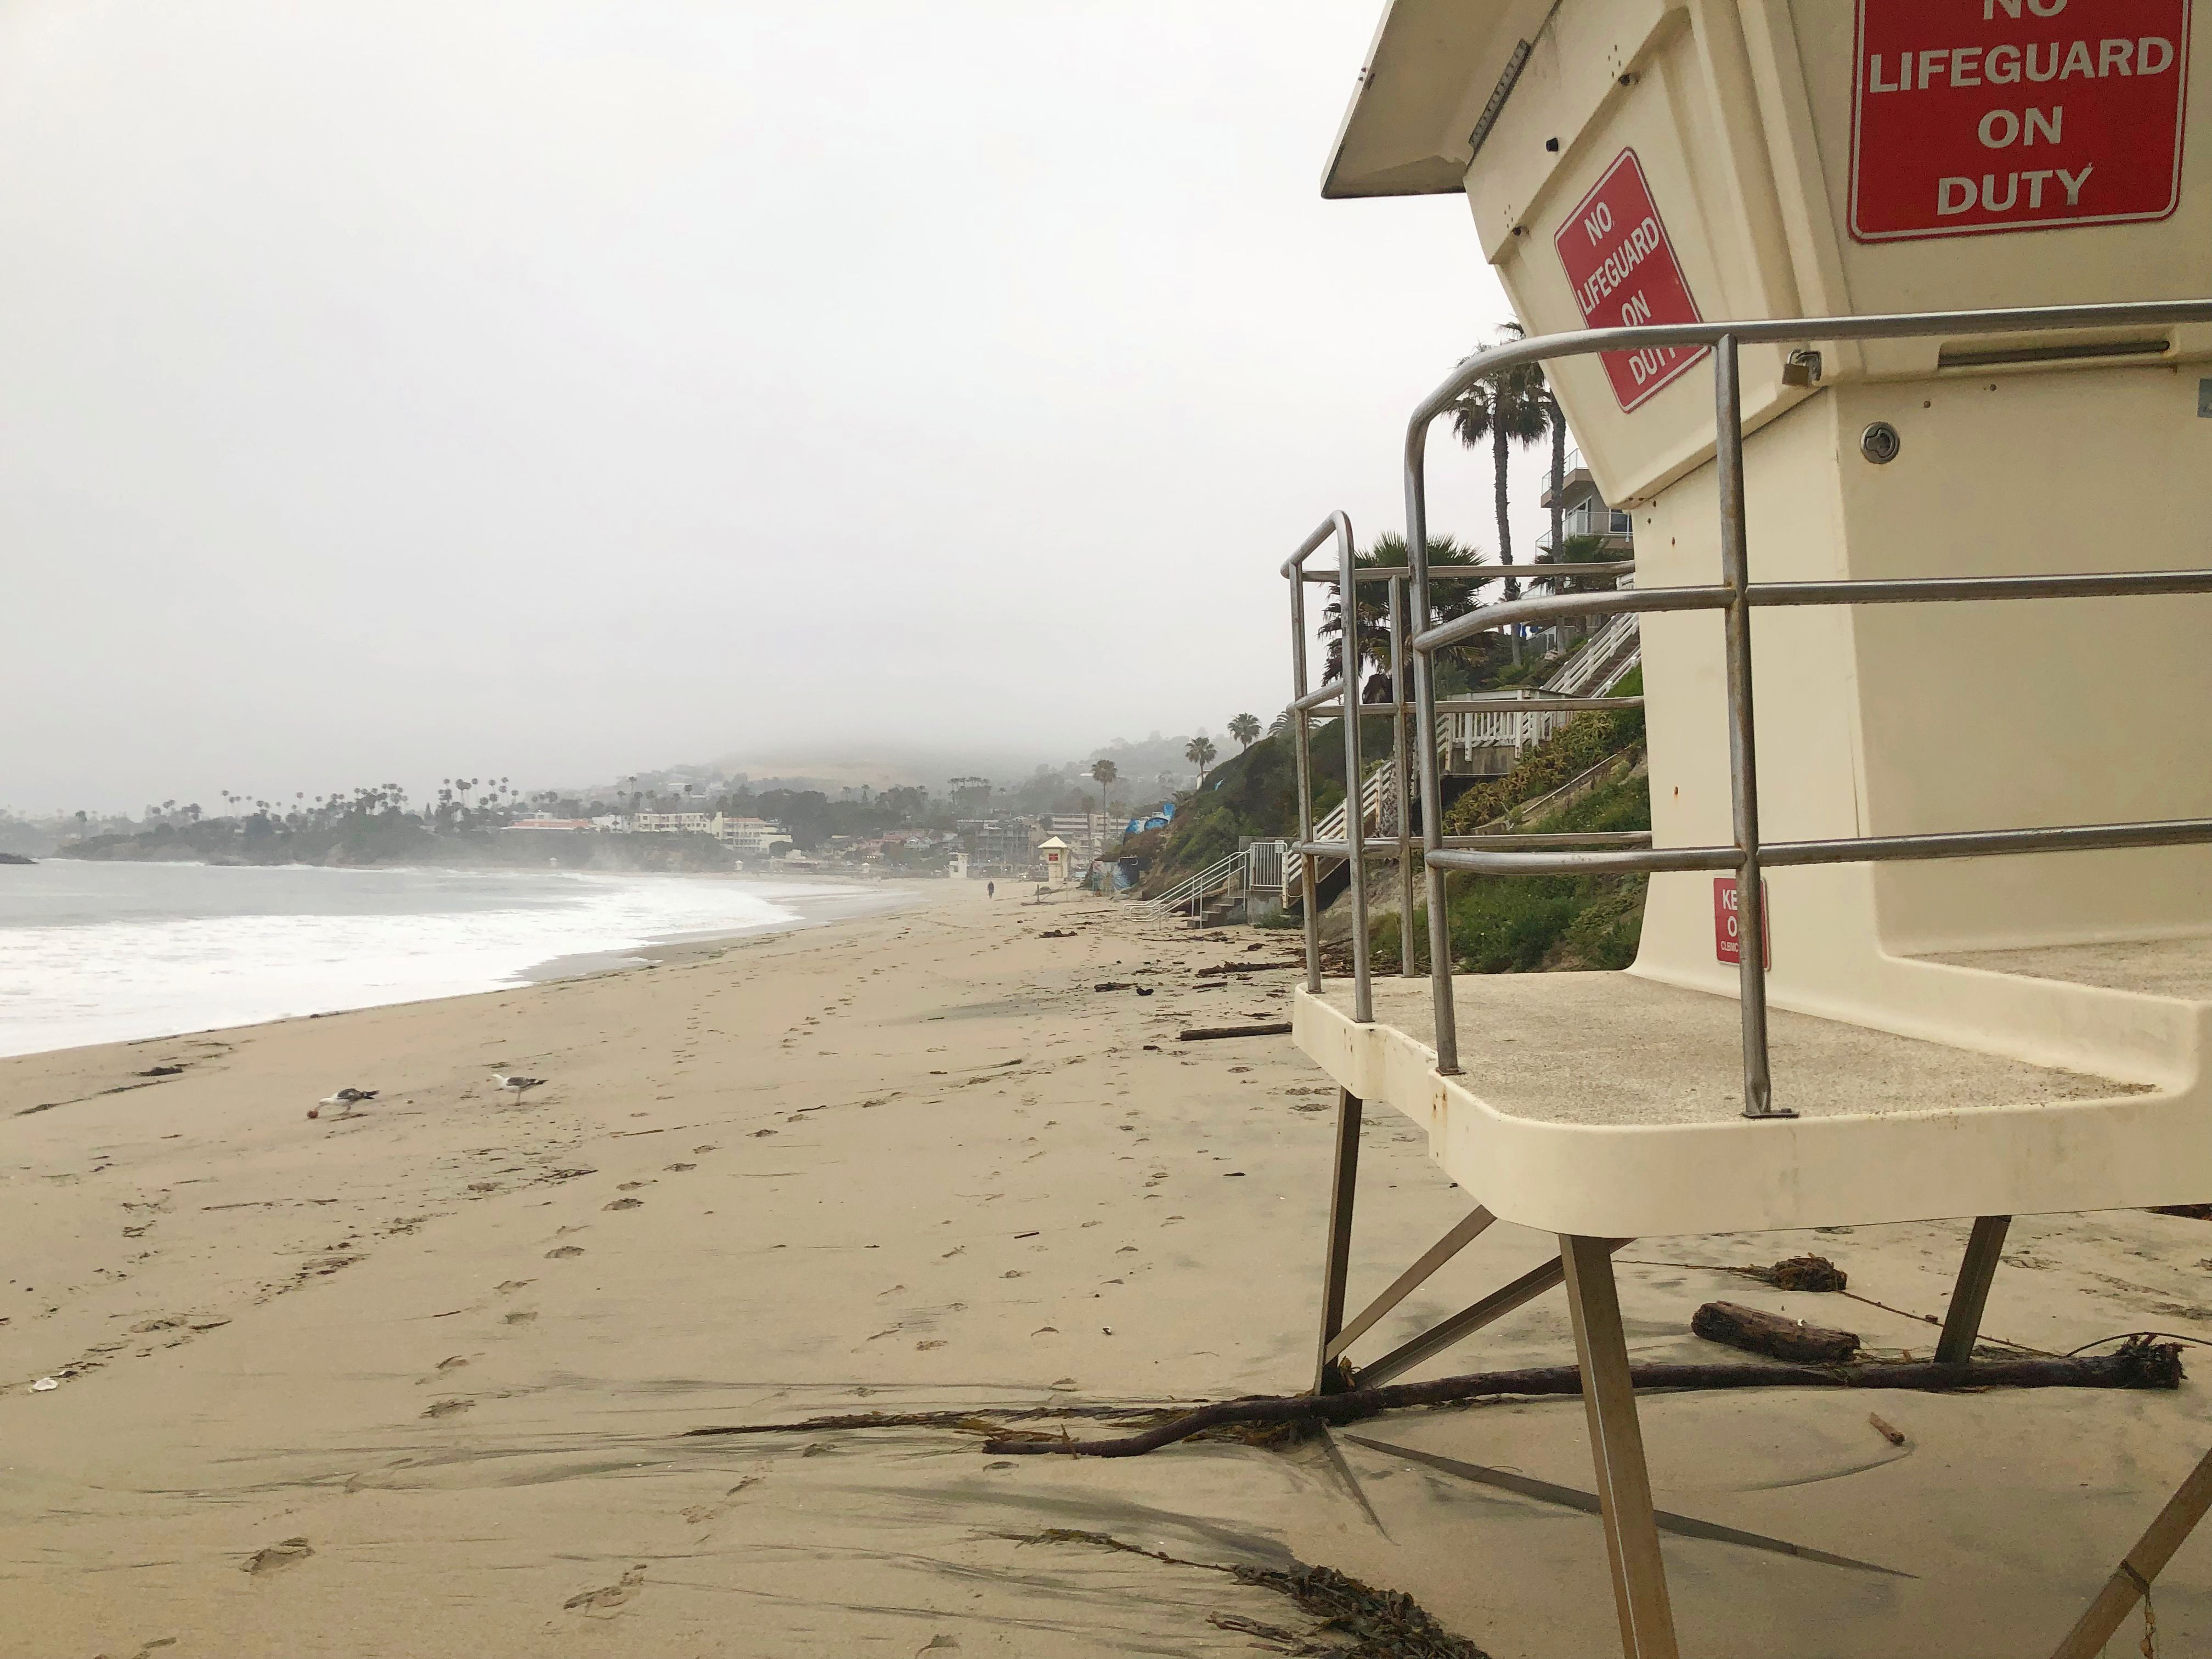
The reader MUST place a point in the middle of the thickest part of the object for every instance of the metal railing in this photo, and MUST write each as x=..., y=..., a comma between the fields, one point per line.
x=1736, y=596
x=1192, y=892
x=1263, y=866
x=1335, y=840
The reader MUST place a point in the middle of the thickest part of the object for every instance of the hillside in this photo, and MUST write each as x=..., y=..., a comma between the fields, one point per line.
x=399, y=838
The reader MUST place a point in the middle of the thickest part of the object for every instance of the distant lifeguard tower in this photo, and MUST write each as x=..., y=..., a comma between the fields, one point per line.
x=1059, y=861
x=1929, y=930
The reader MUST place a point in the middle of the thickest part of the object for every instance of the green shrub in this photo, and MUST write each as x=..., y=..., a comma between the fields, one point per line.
x=1525, y=924
x=1568, y=753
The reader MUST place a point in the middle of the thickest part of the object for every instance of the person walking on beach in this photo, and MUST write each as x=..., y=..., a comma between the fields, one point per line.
x=990, y=889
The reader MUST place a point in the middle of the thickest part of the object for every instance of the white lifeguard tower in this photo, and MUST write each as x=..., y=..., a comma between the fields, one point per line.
x=1954, y=456
x=1058, y=864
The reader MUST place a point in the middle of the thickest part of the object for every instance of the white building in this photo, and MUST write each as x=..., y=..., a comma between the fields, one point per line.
x=672, y=824
x=749, y=836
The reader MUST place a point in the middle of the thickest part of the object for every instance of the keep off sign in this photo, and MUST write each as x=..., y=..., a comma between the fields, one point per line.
x=1974, y=116
x=1728, y=932
x=1624, y=273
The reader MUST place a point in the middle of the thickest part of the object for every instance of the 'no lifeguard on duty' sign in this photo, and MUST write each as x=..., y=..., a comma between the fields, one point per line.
x=1625, y=274
x=1972, y=116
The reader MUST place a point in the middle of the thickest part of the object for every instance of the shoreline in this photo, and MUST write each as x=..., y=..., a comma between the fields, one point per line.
x=811, y=910
x=824, y=901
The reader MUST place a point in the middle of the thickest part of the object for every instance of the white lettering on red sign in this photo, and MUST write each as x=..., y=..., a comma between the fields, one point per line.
x=1974, y=116
x=1625, y=274
x=1728, y=933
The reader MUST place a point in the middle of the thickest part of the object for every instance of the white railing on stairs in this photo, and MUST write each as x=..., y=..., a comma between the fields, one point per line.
x=1598, y=664
x=1379, y=787
x=1192, y=893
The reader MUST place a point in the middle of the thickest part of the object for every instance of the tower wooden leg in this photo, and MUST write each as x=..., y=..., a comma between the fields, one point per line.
x=1623, y=1484
x=1962, y=1321
x=1349, y=1110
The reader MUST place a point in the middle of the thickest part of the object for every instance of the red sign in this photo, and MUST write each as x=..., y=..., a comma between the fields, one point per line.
x=1624, y=274
x=1972, y=116
x=1726, y=933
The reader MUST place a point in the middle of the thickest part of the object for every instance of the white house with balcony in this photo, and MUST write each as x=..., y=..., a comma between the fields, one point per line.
x=1585, y=518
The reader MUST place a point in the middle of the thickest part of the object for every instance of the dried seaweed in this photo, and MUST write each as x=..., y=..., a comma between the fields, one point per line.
x=1364, y=1622
x=1802, y=1273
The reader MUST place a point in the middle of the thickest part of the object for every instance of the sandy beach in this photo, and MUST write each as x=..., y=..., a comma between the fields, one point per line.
x=423, y=1379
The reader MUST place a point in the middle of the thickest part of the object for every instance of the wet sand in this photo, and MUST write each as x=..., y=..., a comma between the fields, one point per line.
x=419, y=1380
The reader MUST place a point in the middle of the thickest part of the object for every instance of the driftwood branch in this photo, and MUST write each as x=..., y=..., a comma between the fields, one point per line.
x=1757, y=1331
x=1206, y=1033
x=2139, y=1365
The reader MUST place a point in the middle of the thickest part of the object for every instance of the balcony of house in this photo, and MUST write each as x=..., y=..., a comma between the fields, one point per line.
x=1575, y=482
x=1613, y=528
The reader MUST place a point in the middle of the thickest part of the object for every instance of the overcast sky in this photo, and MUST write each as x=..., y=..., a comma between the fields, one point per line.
x=558, y=388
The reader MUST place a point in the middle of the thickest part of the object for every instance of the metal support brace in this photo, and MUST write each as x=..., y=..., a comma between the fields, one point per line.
x=1623, y=1484
x=1468, y=1319
x=1962, y=1321
x=1412, y=1279
x=2130, y=1580
x=1349, y=1110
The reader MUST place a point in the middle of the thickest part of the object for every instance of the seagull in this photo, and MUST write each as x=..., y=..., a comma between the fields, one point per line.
x=515, y=1086
x=348, y=1098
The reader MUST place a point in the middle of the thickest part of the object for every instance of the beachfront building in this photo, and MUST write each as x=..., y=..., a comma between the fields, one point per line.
x=1086, y=832
x=748, y=837
x=672, y=824
x=551, y=824
x=999, y=847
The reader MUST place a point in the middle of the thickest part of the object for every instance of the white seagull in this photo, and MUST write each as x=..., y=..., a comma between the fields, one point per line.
x=347, y=1098
x=516, y=1085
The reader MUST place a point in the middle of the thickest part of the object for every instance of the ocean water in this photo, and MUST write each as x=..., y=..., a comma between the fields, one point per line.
x=110, y=952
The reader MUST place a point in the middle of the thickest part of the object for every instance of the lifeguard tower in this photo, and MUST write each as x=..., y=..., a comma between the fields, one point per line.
x=1928, y=931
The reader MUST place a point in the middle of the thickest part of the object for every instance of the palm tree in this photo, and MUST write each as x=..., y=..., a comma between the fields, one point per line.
x=1199, y=752
x=1104, y=772
x=1509, y=408
x=1446, y=601
x=1245, y=728
x=1556, y=419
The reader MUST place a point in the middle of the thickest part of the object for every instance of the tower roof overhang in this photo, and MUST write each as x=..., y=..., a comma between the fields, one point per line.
x=1430, y=74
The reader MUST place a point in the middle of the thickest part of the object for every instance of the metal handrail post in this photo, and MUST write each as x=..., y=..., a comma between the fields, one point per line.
x=1301, y=744
x=1399, y=760
x=1425, y=738
x=1743, y=757
x=1355, y=793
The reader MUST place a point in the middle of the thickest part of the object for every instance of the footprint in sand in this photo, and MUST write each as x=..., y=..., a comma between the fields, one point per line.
x=521, y=1317
x=700, y=1515
x=677, y=1168
x=453, y=1363
x=625, y=1204
x=701, y=1151
x=275, y=1557
x=608, y=1597
x=448, y=1408
x=564, y=1252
